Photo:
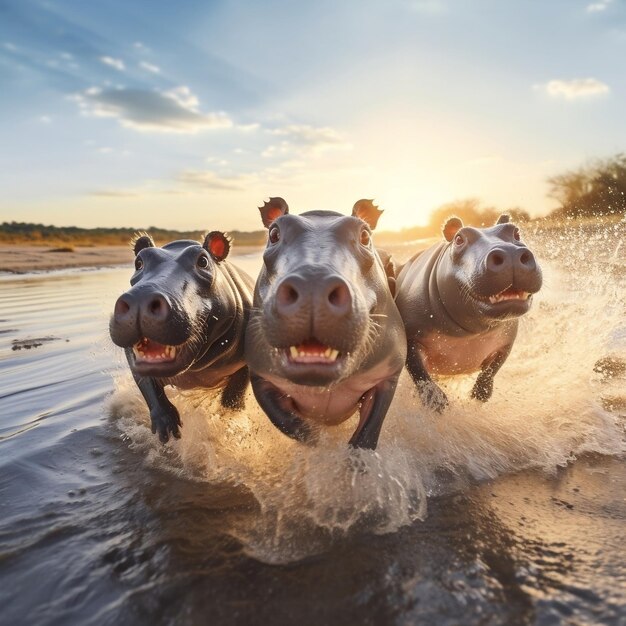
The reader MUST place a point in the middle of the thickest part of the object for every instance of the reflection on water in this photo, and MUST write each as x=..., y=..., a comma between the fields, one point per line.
x=235, y=523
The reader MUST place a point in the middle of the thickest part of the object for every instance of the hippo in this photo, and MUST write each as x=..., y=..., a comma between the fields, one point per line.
x=325, y=337
x=461, y=300
x=182, y=323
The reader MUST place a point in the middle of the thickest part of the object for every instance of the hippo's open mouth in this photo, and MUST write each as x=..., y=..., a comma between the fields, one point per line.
x=312, y=352
x=148, y=351
x=506, y=295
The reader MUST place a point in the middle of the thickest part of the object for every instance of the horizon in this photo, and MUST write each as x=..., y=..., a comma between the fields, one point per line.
x=152, y=112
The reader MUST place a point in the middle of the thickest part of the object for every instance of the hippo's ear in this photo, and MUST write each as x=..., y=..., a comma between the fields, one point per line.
x=141, y=241
x=451, y=227
x=367, y=211
x=505, y=218
x=389, y=264
x=273, y=209
x=217, y=244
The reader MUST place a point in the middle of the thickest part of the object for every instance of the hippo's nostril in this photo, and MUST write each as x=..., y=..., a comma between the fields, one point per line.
x=287, y=295
x=497, y=258
x=121, y=308
x=526, y=258
x=158, y=307
x=339, y=296
x=291, y=295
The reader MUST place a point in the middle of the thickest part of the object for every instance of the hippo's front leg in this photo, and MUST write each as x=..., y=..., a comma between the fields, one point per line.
x=483, y=387
x=430, y=393
x=279, y=408
x=235, y=391
x=164, y=415
x=374, y=406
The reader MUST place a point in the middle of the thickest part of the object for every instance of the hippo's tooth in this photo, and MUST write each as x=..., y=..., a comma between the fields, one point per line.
x=293, y=351
x=333, y=355
x=327, y=353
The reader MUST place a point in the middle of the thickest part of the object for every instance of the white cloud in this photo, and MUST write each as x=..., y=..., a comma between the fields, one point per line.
x=118, y=64
x=574, y=89
x=153, y=69
x=303, y=138
x=174, y=111
x=596, y=7
x=45, y=119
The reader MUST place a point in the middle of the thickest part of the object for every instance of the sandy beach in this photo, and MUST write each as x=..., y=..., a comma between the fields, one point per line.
x=22, y=259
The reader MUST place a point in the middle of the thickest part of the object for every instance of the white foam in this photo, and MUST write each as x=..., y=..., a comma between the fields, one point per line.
x=547, y=409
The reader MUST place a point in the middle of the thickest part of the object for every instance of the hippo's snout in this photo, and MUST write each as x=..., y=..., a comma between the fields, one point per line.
x=514, y=259
x=147, y=313
x=323, y=297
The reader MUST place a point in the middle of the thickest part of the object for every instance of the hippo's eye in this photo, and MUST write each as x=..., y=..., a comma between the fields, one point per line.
x=138, y=263
x=516, y=234
x=458, y=240
x=365, y=237
x=274, y=234
x=203, y=261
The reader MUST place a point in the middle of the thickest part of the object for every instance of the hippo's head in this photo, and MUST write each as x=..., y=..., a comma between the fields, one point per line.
x=173, y=307
x=486, y=274
x=320, y=298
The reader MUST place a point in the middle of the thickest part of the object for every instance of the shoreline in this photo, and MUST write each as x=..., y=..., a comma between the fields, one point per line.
x=25, y=259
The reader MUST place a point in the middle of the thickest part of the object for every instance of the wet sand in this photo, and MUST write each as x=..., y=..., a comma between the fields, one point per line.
x=22, y=259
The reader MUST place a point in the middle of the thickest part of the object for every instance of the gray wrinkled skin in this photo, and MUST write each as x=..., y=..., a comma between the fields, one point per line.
x=323, y=283
x=186, y=298
x=460, y=301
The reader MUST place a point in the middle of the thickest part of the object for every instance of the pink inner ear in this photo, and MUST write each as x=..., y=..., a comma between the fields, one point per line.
x=273, y=214
x=217, y=247
x=451, y=228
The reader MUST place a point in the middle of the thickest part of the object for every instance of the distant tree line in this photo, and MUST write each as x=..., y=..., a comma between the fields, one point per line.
x=22, y=232
x=595, y=190
x=469, y=210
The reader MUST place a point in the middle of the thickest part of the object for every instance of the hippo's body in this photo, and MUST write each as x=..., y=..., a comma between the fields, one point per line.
x=182, y=323
x=325, y=338
x=460, y=301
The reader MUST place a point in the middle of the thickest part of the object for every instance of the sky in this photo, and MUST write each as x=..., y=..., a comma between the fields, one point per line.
x=188, y=114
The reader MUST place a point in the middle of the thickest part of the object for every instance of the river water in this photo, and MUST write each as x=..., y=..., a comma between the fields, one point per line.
x=508, y=513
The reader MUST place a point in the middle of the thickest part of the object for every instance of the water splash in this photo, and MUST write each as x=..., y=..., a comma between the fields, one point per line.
x=549, y=406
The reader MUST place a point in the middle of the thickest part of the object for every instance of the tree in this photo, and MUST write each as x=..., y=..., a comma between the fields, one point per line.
x=469, y=210
x=596, y=189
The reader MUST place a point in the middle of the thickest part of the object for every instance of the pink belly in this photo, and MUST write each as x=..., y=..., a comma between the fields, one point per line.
x=444, y=355
x=336, y=403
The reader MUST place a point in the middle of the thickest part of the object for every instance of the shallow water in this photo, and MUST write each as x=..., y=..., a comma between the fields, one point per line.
x=508, y=513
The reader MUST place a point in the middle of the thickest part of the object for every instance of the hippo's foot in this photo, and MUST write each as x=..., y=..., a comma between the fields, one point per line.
x=433, y=396
x=166, y=421
x=483, y=388
x=233, y=396
x=374, y=406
